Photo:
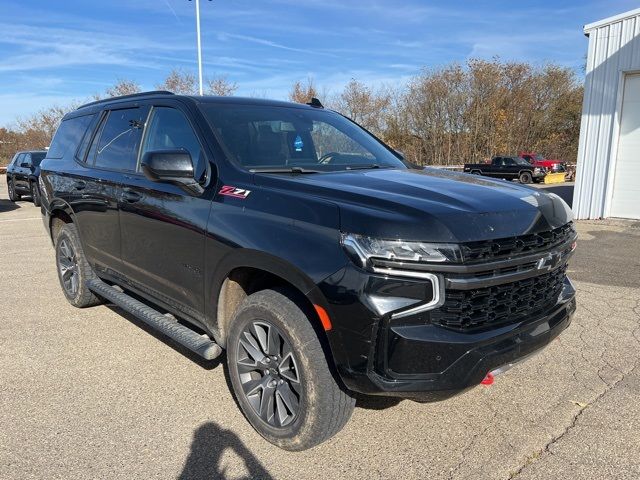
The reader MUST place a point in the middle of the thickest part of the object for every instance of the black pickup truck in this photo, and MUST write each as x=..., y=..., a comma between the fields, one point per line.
x=293, y=239
x=507, y=168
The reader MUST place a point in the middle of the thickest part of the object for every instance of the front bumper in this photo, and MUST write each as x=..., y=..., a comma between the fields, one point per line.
x=424, y=361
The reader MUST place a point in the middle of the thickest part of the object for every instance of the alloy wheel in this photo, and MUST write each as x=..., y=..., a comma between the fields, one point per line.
x=269, y=374
x=68, y=267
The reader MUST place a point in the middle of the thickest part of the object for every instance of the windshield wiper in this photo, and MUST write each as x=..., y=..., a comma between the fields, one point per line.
x=283, y=170
x=366, y=167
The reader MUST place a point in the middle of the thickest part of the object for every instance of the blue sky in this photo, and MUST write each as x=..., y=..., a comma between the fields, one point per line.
x=54, y=51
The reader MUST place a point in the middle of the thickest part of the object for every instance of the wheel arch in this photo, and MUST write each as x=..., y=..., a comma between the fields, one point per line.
x=247, y=271
x=60, y=212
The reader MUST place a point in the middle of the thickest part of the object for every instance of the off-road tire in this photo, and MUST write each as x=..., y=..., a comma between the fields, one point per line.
x=35, y=193
x=525, y=178
x=324, y=406
x=81, y=296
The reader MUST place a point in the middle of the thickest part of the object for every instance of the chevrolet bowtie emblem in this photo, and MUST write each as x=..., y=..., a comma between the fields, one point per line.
x=548, y=262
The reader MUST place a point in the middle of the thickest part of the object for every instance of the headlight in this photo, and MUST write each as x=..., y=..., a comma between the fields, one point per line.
x=366, y=249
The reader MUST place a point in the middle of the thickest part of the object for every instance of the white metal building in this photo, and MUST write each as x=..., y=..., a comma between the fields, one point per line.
x=608, y=175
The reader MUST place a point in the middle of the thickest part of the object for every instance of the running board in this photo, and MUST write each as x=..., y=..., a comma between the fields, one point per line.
x=168, y=325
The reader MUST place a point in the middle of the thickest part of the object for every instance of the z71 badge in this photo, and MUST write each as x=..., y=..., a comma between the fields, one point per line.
x=234, y=192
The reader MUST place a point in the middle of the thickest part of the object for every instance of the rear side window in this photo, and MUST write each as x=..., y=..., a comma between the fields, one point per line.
x=68, y=135
x=116, y=145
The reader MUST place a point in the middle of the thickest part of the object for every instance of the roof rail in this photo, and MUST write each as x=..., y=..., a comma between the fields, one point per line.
x=125, y=97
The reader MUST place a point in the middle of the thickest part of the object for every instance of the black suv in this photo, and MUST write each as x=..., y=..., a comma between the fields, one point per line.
x=297, y=241
x=22, y=175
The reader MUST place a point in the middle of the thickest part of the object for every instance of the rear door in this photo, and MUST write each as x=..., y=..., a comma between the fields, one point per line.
x=511, y=168
x=496, y=169
x=111, y=153
x=162, y=225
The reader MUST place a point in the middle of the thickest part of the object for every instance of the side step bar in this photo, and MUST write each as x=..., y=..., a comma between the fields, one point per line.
x=195, y=342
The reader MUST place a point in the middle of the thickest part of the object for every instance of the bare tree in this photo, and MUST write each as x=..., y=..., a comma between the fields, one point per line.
x=37, y=130
x=363, y=105
x=180, y=82
x=221, y=86
x=303, y=92
x=123, y=87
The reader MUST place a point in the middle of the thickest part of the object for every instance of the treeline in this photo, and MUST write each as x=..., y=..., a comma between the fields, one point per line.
x=451, y=115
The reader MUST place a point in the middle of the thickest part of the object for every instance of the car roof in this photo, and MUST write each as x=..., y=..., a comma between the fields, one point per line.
x=205, y=99
x=30, y=151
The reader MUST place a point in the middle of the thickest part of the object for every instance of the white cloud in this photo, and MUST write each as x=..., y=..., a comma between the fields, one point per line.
x=49, y=47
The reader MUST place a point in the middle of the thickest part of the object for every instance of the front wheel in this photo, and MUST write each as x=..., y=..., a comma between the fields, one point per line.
x=525, y=177
x=280, y=374
x=13, y=196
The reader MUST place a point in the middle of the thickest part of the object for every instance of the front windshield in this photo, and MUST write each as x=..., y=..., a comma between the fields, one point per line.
x=264, y=137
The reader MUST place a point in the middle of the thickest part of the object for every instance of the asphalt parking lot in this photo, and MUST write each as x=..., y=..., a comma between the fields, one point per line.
x=94, y=394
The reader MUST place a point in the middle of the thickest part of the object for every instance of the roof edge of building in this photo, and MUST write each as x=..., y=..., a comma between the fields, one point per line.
x=609, y=20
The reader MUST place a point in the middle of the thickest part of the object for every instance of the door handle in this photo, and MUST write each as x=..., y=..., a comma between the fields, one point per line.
x=130, y=196
x=79, y=185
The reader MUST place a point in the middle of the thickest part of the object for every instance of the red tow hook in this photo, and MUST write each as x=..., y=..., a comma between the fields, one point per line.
x=488, y=379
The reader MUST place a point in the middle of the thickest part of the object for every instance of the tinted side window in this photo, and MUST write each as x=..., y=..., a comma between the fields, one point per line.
x=169, y=129
x=68, y=135
x=36, y=158
x=81, y=153
x=509, y=161
x=119, y=140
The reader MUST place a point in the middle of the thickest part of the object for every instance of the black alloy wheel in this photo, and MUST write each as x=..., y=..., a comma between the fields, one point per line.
x=269, y=373
x=12, y=191
x=68, y=267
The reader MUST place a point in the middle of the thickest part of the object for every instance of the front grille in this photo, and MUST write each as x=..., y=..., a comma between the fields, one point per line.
x=521, y=245
x=500, y=304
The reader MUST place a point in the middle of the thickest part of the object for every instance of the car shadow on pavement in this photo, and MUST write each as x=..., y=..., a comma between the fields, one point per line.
x=8, y=205
x=194, y=357
x=373, y=402
x=210, y=443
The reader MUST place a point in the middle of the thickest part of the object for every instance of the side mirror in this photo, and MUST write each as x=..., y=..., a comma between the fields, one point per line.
x=169, y=166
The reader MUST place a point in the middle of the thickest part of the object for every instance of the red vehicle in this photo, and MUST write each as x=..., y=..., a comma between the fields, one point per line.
x=538, y=160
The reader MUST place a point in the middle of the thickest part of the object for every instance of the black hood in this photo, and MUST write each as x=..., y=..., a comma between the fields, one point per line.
x=430, y=205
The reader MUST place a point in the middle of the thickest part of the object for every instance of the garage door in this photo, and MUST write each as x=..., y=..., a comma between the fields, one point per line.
x=625, y=201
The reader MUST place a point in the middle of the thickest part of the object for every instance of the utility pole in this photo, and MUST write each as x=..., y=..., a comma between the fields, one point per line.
x=199, y=46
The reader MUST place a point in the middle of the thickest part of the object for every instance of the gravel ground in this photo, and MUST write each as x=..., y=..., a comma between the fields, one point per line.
x=94, y=394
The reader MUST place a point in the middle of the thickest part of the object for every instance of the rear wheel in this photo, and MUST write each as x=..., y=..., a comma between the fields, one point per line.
x=73, y=269
x=13, y=196
x=280, y=374
x=35, y=194
x=525, y=177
